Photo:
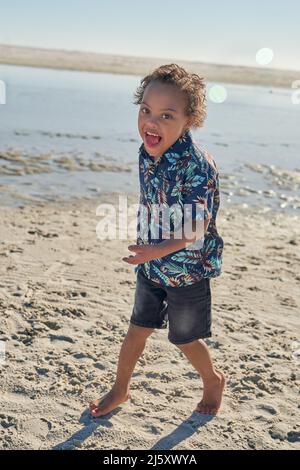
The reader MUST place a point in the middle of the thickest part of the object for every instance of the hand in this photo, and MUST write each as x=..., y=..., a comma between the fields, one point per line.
x=143, y=253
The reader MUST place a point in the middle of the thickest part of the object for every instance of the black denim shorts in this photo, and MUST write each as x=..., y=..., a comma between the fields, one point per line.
x=187, y=309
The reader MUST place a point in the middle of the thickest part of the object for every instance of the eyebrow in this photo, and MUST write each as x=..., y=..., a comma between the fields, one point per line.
x=166, y=109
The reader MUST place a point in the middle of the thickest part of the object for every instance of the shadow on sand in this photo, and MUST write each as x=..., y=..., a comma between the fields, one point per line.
x=90, y=424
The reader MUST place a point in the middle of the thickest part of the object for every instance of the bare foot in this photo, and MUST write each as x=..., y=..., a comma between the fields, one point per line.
x=212, y=395
x=107, y=403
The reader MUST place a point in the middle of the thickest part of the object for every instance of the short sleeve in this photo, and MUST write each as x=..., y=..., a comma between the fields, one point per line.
x=198, y=192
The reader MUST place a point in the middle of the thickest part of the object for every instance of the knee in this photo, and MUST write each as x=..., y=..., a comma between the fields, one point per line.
x=186, y=346
x=139, y=333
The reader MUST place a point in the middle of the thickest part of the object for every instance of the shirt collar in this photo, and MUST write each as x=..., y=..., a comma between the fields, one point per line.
x=182, y=144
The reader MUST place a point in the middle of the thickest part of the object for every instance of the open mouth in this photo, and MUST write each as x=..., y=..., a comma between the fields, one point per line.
x=152, y=139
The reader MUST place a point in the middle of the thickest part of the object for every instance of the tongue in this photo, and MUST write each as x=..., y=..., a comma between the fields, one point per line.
x=152, y=139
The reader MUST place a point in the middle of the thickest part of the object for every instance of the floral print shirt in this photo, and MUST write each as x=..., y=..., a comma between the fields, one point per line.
x=184, y=174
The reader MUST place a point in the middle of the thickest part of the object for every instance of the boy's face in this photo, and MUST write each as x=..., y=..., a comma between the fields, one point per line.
x=162, y=112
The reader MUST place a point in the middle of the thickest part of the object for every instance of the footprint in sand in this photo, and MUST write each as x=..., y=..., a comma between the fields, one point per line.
x=254, y=260
x=38, y=427
x=254, y=288
x=267, y=410
x=7, y=421
x=61, y=338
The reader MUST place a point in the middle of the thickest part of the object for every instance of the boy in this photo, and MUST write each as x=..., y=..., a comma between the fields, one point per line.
x=173, y=273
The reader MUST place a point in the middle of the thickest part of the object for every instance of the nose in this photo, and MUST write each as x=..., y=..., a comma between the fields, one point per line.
x=152, y=124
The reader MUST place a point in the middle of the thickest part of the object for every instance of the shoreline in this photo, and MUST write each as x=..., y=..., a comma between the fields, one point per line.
x=266, y=187
x=131, y=65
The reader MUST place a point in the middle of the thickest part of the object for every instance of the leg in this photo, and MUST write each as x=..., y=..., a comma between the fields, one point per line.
x=131, y=349
x=198, y=354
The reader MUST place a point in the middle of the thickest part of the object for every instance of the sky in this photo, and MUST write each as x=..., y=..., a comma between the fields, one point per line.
x=219, y=31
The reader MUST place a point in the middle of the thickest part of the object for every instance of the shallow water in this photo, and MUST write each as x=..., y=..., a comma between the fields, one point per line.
x=71, y=134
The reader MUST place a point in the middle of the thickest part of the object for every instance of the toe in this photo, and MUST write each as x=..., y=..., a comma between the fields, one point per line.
x=95, y=413
x=205, y=409
x=211, y=411
x=201, y=408
x=93, y=405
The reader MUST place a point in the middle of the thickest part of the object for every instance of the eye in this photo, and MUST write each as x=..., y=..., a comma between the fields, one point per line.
x=169, y=115
x=144, y=109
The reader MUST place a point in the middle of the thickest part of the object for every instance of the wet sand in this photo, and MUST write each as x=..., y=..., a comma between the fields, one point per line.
x=269, y=187
x=65, y=302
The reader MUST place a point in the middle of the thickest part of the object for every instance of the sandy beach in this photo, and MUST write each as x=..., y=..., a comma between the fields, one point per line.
x=65, y=302
x=134, y=65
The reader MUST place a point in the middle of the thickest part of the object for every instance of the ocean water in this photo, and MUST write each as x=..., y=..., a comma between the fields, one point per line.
x=67, y=134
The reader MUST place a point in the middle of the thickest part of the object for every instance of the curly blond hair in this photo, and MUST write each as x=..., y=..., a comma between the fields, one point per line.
x=190, y=84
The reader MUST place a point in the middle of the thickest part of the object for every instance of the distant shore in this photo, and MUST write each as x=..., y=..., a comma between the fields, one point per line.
x=108, y=63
